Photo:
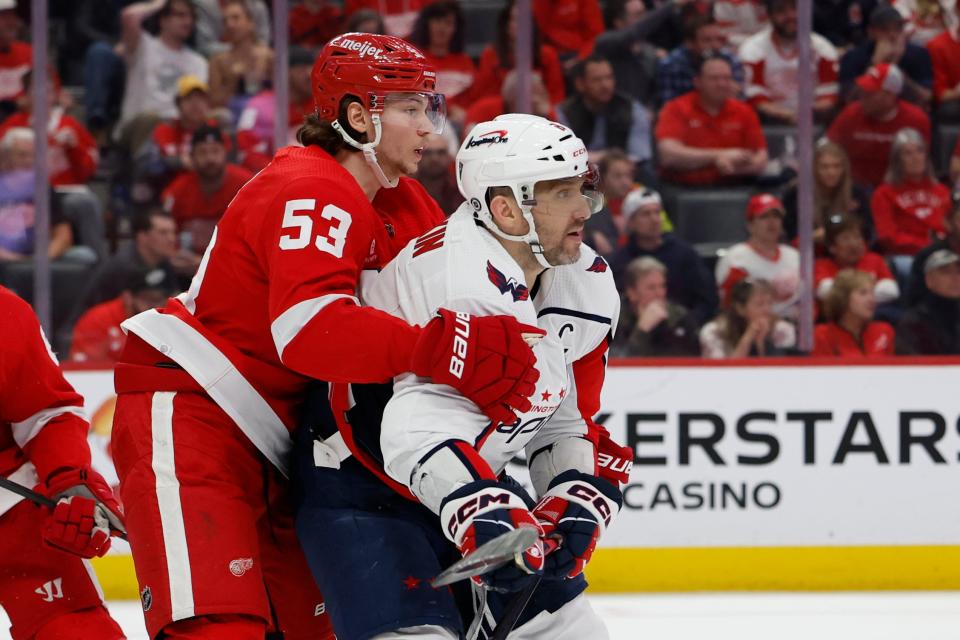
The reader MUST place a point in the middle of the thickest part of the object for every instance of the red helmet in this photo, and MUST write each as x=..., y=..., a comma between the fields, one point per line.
x=368, y=66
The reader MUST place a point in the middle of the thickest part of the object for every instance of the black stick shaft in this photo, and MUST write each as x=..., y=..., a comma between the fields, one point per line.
x=29, y=494
x=514, y=610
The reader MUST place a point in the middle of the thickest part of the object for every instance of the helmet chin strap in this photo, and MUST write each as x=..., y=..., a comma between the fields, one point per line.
x=530, y=237
x=369, y=150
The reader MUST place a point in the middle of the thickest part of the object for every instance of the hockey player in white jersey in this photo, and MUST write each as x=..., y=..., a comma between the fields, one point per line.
x=391, y=459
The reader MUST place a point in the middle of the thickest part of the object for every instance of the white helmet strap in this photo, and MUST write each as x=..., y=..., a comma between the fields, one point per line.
x=369, y=150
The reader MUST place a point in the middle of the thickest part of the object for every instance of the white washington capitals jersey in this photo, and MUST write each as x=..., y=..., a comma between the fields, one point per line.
x=460, y=266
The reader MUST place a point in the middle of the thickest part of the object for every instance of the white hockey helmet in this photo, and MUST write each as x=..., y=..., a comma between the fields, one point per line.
x=517, y=151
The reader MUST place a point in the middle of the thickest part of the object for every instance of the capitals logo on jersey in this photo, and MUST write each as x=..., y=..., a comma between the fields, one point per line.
x=501, y=282
x=599, y=265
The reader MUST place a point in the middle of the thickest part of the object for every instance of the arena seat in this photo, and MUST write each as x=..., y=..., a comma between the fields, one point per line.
x=945, y=139
x=710, y=219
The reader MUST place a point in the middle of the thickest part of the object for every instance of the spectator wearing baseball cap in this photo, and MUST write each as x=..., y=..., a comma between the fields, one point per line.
x=865, y=128
x=910, y=206
x=847, y=249
x=198, y=198
x=764, y=257
x=888, y=44
x=932, y=325
x=97, y=337
x=851, y=331
x=917, y=286
x=171, y=139
x=945, y=54
x=688, y=281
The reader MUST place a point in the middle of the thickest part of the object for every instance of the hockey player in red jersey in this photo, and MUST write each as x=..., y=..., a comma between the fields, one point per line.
x=210, y=386
x=47, y=587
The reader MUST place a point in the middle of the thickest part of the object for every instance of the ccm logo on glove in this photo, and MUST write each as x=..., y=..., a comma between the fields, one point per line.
x=474, y=504
x=591, y=495
x=461, y=329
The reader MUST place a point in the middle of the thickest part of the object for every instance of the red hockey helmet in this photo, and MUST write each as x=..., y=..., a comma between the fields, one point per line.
x=368, y=66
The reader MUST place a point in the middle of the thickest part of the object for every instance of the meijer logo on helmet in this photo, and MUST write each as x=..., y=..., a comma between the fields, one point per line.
x=364, y=49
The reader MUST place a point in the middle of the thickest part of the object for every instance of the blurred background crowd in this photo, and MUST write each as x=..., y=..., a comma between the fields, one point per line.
x=161, y=110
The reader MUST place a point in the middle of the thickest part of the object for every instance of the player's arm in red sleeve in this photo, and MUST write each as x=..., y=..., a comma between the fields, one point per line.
x=45, y=412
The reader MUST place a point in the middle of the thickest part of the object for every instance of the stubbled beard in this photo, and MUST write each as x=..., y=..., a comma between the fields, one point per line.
x=558, y=256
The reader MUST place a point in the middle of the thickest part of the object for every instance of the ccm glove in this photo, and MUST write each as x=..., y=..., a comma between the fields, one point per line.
x=477, y=513
x=576, y=509
x=485, y=358
x=85, y=513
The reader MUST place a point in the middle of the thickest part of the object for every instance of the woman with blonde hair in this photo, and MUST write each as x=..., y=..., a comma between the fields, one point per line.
x=910, y=206
x=834, y=192
x=852, y=332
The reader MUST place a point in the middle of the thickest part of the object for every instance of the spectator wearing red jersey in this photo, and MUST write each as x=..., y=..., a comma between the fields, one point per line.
x=72, y=154
x=497, y=59
x=313, y=22
x=705, y=137
x=569, y=26
x=16, y=57
x=398, y=15
x=488, y=108
x=748, y=326
x=198, y=198
x=255, y=136
x=172, y=138
x=910, y=206
x=771, y=60
x=945, y=54
x=764, y=257
x=439, y=33
x=847, y=249
x=97, y=336
x=865, y=128
x=242, y=70
x=852, y=332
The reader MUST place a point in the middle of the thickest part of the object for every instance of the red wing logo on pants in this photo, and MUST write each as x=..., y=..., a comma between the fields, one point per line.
x=240, y=566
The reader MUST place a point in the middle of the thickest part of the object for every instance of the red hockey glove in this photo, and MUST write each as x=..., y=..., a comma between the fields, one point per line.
x=576, y=509
x=486, y=358
x=86, y=511
x=477, y=513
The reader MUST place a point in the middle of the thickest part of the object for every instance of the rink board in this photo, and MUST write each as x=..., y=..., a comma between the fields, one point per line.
x=783, y=476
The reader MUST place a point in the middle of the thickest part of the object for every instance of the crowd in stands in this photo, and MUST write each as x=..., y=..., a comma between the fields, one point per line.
x=161, y=110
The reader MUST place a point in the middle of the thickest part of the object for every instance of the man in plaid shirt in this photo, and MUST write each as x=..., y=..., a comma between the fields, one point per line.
x=675, y=72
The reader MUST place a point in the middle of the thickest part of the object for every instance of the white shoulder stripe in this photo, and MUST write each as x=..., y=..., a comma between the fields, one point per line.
x=289, y=323
x=25, y=430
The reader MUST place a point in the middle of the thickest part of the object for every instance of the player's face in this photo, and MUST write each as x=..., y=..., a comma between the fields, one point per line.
x=407, y=120
x=560, y=215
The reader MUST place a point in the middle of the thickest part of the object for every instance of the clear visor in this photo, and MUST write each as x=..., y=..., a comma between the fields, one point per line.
x=563, y=193
x=422, y=111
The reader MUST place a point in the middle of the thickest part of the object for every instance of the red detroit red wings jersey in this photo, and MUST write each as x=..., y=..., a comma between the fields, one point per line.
x=274, y=299
x=41, y=416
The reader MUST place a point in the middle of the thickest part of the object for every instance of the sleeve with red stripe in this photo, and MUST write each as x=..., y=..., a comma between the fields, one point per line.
x=45, y=413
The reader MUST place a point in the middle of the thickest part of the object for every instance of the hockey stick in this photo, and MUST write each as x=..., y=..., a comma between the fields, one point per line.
x=494, y=554
x=519, y=602
x=44, y=501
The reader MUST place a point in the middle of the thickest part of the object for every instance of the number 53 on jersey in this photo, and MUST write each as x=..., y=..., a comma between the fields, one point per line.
x=298, y=223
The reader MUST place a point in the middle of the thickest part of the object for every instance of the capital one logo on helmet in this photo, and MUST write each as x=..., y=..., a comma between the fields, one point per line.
x=493, y=137
x=363, y=49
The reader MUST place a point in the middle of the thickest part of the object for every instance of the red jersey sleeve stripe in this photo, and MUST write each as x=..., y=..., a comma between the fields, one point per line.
x=289, y=323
